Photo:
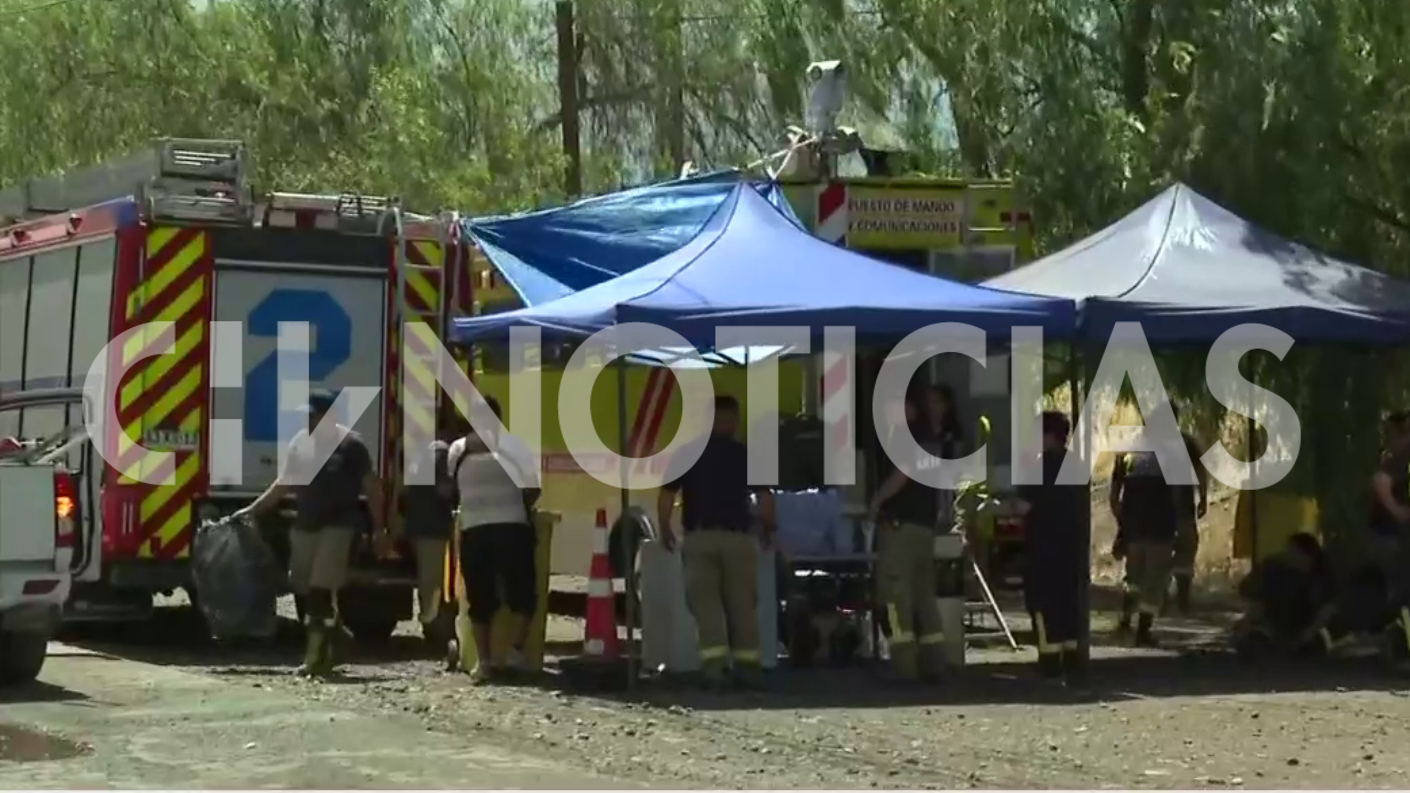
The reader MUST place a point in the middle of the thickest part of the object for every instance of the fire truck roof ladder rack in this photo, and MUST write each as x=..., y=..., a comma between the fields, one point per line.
x=199, y=180
x=347, y=212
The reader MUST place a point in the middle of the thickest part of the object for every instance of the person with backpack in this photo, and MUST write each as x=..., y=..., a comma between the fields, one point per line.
x=497, y=536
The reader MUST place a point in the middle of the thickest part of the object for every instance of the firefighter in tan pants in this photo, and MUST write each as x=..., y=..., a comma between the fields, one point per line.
x=327, y=469
x=720, y=554
x=906, y=513
x=1147, y=514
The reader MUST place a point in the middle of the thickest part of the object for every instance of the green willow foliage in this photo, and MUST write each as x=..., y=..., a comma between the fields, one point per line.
x=1296, y=115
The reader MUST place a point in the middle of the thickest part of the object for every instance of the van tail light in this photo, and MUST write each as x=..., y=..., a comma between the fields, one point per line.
x=65, y=509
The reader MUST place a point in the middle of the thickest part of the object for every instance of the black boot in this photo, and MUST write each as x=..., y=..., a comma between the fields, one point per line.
x=1074, y=670
x=1144, y=637
x=1050, y=666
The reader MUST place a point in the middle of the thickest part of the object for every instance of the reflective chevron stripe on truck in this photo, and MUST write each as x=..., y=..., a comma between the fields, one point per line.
x=162, y=399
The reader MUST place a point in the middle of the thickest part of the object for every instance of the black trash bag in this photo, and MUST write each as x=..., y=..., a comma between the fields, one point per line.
x=237, y=578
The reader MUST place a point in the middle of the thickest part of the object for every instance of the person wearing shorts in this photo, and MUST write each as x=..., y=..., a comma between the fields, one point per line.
x=328, y=469
x=497, y=540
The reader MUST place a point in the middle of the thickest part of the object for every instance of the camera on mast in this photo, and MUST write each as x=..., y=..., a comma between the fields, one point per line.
x=826, y=96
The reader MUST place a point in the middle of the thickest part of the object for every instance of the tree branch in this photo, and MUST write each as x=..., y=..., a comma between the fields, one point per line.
x=1381, y=214
x=625, y=95
x=1035, y=98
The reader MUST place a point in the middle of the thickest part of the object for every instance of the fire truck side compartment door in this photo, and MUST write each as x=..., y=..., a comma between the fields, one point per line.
x=347, y=317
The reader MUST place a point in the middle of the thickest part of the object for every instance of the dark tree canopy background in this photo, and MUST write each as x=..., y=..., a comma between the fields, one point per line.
x=1296, y=115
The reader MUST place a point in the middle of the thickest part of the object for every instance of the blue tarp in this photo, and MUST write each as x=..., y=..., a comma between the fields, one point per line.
x=555, y=252
x=1188, y=269
x=751, y=265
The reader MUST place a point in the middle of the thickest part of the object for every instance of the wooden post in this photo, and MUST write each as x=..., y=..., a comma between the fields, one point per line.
x=676, y=102
x=568, y=99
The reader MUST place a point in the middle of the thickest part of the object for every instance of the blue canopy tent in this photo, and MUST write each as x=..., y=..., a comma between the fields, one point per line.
x=751, y=265
x=1188, y=269
x=555, y=252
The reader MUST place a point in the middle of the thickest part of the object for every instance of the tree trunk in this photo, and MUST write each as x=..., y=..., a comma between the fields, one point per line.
x=1135, y=66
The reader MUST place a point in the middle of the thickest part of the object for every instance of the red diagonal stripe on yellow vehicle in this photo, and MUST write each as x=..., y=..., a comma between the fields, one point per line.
x=658, y=415
x=166, y=391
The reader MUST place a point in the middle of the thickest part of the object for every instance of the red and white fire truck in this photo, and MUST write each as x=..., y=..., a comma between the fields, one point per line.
x=176, y=234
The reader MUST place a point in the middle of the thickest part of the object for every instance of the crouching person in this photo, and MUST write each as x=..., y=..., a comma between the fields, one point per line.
x=1054, y=571
x=328, y=469
x=1289, y=601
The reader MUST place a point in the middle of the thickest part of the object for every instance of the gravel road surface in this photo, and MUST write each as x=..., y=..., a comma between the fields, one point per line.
x=158, y=707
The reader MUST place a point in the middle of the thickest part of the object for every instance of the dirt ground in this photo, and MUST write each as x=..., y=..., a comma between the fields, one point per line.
x=158, y=707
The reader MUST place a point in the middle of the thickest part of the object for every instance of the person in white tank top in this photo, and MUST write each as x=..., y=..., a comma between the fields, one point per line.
x=498, y=541
x=488, y=493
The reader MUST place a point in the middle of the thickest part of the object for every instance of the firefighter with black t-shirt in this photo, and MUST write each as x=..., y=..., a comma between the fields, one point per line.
x=720, y=554
x=328, y=469
x=1147, y=517
x=1390, y=500
x=1390, y=520
x=1055, y=565
x=907, y=515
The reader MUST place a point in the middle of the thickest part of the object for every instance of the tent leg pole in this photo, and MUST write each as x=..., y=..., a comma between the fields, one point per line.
x=629, y=564
x=1251, y=432
x=1075, y=391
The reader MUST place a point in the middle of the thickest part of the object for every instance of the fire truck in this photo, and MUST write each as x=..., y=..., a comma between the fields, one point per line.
x=176, y=234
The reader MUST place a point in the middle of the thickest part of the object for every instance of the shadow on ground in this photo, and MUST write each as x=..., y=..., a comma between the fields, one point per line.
x=39, y=691
x=1191, y=663
x=1011, y=683
x=177, y=636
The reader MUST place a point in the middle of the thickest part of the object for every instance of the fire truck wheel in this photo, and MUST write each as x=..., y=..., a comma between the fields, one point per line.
x=22, y=655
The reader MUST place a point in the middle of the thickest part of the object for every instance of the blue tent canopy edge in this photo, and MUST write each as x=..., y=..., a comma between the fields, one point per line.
x=752, y=266
x=552, y=253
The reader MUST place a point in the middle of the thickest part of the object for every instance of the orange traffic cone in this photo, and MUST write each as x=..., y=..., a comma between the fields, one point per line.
x=600, y=632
